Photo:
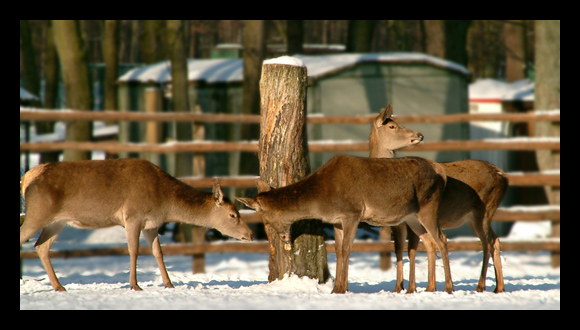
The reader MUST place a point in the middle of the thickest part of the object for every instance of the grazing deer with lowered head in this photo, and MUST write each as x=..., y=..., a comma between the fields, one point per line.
x=347, y=190
x=473, y=192
x=132, y=193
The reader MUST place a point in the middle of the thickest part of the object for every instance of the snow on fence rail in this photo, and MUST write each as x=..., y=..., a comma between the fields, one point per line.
x=69, y=115
x=313, y=146
x=199, y=249
x=249, y=181
x=517, y=213
x=519, y=143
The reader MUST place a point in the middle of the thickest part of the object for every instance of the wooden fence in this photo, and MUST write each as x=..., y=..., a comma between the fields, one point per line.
x=198, y=249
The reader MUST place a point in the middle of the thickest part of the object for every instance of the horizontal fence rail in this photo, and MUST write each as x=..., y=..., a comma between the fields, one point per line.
x=313, y=146
x=249, y=181
x=551, y=213
x=263, y=247
x=67, y=115
x=502, y=214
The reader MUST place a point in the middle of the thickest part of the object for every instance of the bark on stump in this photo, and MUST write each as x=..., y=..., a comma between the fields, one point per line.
x=283, y=158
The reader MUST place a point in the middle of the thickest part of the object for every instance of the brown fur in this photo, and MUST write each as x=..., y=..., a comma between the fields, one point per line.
x=347, y=190
x=132, y=193
x=473, y=192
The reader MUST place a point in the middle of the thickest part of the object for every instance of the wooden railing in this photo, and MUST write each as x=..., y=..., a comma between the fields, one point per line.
x=198, y=249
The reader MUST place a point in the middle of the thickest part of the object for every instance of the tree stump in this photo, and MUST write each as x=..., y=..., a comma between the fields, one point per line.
x=283, y=156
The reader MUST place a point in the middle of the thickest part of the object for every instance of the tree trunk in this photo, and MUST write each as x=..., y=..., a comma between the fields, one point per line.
x=177, y=52
x=295, y=36
x=456, y=40
x=254, y=55
x=360, y=36
x=447, y=39
x=111, y=58
x=547, y=93
x=284, y=160
x=515, y=51
x=435, y=37
x=154, y=41
x=51, y=68
x=28, y=62
x=77, y=83
x=547, y=97
x=183, y=130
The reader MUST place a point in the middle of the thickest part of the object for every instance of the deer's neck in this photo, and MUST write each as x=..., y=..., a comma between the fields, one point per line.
x=299, y=201
x=387, y=153
x=190, y=206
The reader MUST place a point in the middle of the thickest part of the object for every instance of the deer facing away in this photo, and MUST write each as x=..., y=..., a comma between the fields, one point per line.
x=132, y=193
x=473, y=193
x=347, y=190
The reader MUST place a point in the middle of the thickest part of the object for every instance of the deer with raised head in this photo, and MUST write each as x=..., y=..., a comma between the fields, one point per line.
x=347, y=190
x=473, y=192
x=132, y=193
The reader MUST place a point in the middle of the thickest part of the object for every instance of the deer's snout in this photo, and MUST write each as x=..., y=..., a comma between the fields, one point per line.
x=418, y=139
x=248, y=237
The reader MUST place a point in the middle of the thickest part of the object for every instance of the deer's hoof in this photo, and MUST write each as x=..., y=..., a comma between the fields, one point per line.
x=60, y=289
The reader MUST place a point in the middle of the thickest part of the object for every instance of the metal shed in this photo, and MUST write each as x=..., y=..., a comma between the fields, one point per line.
x=339, y=84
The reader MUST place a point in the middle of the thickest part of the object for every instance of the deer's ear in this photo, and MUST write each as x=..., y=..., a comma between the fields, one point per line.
x=218, y=193
x=383, y=116
x=250, y=202
x=262, y=186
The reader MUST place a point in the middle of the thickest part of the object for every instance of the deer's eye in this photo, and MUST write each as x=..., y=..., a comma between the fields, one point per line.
x=391, y=126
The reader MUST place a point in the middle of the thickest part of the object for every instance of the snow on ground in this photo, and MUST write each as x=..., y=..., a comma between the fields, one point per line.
x=239, y=281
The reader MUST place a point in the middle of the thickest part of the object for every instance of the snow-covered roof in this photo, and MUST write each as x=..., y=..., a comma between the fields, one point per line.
x=492, y=89
x=230, y=70
x=26, y=95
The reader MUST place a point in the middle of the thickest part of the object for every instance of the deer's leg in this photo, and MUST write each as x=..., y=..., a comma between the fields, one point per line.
x=430, y=246
x=495, y=251
x=477, y=226
x=42, y=246
x=132, y=229
x=494, y=245
x=412, y=251
x=440, y=239
x=153, y=240
x=341, y=283
x=338, y=239
x=420, y=231
x=399, y=238
x=27, y=230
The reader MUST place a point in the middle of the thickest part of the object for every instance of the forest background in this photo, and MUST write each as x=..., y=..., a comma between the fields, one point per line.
x=63, y=50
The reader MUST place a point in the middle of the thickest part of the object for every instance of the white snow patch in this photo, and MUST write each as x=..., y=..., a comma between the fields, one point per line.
x=240, y=281
x=286, y=60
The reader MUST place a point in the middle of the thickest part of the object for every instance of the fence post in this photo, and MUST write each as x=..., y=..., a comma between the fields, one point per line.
x=385, y=257
x=198, y=238
x=153, y=104
x=283, y=157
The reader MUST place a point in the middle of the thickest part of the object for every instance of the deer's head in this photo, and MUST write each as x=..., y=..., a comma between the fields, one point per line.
x=269, y=212
x=388, y=136
x=226, y=218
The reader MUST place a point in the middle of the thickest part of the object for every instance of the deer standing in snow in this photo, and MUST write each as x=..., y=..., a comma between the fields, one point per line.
x=132, y=193
x=473, y=192
x=347, y=190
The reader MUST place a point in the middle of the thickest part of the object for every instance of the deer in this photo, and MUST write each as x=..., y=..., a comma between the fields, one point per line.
x=347, y=190
x=473, y=193
x=132, y=193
